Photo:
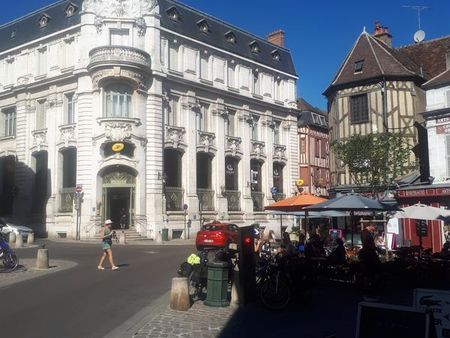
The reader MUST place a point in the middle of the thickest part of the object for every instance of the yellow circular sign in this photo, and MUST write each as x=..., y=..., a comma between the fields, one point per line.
x=299, y=182
x=116, y=147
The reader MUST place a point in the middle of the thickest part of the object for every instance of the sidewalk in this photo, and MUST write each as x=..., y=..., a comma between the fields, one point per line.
x=173, y=242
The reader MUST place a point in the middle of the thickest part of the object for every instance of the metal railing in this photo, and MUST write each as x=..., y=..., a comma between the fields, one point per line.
x=234, y=199
x=206, y=199
x=174, y=198
x=258, y=201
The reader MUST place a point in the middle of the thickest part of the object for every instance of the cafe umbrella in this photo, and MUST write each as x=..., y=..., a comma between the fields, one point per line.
x=293, y=204
x=351, y=203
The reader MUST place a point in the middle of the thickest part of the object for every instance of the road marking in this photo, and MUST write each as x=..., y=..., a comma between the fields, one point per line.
x=151, y=252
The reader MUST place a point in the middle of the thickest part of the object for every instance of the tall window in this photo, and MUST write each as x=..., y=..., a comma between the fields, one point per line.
x=172, y=111
x=255, y=175
x=255, y=128
x=231, y=75
x=118, y=101
x=256, y=83
x=202, y=117
x=119, y=37
x=276, y=133
x=8, y=122
x=230, y=123
x=204, y=66
x=359, y=108
x=231, y=173
x=40, y=115
x=69, y=168
x=278, y=176
x=69, y=108
x=42, y=61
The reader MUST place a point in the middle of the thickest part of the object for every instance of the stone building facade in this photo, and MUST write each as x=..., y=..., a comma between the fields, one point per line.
x=151, y=108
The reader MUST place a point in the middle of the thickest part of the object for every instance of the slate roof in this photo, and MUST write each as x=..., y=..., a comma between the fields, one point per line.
x=308, y=115
x=187, y=25
x=379, y=61
x=438, y=81
x=26, y=28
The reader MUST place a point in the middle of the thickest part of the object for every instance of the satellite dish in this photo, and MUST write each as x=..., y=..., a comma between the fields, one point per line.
x=419, y=36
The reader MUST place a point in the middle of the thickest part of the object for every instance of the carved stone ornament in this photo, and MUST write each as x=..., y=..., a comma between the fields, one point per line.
x=175, y=137
x=136, y=77
x=120, y=8
x=279, y=153
x=40, y=139
x=118, y=131
x=98, y=23
x=233, y=146
x=258, y=150
x=67, y=135
x=141, y=26
x=206, y=142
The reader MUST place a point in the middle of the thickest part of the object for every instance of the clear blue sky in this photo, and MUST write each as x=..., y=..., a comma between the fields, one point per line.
x=319, y=33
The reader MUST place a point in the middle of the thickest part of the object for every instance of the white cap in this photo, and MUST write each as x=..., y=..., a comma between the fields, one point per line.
x=108, y=221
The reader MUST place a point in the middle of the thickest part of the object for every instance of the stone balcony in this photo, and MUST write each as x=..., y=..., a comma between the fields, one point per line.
x=233, y=146
x=120, y=62
x=174, y=138
x=119, y=55
x=258, y=150
x=279, y=153
x=206, y=142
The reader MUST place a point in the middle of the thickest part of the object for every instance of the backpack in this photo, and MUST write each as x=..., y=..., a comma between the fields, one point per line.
x=185, y=269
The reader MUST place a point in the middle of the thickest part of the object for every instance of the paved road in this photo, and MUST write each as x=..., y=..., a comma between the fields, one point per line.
x=83, y=301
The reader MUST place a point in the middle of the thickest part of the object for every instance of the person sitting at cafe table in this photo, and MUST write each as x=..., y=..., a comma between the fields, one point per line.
x=314, y=247
x=445, y=252
x=338, y=255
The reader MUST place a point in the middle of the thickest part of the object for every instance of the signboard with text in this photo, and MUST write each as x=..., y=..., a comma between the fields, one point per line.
x=437, y=302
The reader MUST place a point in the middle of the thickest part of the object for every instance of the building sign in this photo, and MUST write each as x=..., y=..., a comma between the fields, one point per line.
x=443, y=120
x=437, y=302
x=424, y=192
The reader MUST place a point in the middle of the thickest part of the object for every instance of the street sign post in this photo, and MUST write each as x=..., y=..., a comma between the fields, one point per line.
x=78, y=200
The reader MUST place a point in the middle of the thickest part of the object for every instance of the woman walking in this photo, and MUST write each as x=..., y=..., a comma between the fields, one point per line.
x=107, y=235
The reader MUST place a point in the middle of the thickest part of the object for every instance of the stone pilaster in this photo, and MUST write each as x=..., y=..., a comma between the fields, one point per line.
x=218, y=183
x=244, y=131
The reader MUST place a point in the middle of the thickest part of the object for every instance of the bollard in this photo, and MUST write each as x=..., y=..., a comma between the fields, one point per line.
x=30, y=238
x=179, y=295
x=123, y=238
x=12, y=238
x=42, y=261
x=19, y=241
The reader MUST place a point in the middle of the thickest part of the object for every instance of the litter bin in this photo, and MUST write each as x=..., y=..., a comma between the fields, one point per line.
x=165, y=235
x=217, y=290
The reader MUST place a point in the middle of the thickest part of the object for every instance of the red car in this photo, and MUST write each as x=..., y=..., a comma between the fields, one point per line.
x=216, y=235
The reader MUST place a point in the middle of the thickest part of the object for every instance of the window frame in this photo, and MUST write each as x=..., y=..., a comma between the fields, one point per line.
x=9, y=121
x=359, y=66
x=359, y=116
x=69, y=108
x=41, y=115
x=127, y=95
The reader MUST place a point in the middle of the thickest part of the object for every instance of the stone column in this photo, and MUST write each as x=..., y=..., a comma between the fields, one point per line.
x=244, y=164
x=154, y=160
x=218, y=184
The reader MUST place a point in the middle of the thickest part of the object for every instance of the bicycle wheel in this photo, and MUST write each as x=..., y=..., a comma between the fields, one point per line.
x=275, y=293
x=10, y=261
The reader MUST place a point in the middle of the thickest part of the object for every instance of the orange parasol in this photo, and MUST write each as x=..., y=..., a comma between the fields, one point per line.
x=295, y=203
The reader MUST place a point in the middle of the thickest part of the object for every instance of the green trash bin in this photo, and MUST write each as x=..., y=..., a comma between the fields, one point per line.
x=165, y=235
x=217, y=289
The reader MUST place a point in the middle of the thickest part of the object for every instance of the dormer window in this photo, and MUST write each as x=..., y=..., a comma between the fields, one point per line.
x=276, y=55
x=203, y=26
x=359, y=66
x=254, y=47
x=70, y=10
x=43, y=21
x=173, y=14
x=230, y=37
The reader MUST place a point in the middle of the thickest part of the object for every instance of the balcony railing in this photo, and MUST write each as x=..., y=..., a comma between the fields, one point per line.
x=234, y=199
x=110, y=55
x=66, y=199
x=174, y=198
x=258, y=201
x=206, y=199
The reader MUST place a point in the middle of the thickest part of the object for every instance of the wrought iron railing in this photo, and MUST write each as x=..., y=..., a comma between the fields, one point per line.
x=174, y=198
x=234, y=199
x=206, y=199
x=66, y=199
x=279, y=196
x=258, y=201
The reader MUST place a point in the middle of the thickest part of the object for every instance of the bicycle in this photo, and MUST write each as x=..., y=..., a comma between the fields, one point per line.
x=9, y=258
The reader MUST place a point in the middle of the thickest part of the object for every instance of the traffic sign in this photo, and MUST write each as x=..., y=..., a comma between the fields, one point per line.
x=79, y=188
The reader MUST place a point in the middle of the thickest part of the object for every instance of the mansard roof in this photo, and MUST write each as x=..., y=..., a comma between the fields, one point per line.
x=217, y=36
x=378, y=61
x=27, y=28
x=311, y=116
x=187, y=22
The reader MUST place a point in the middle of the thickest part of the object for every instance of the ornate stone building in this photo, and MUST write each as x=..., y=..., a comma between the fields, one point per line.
x=149, y=107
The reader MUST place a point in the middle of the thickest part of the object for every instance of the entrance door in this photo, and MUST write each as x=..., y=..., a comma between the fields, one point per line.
x=118, y=197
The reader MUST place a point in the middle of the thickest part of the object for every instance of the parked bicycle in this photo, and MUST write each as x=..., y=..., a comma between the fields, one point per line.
x=7, y=256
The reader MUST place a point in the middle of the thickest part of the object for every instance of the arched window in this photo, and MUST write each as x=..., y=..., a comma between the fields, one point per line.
x=118, y=101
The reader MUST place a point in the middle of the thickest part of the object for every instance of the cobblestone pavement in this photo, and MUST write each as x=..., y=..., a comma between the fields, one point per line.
x=27, y=270
x=199, y=321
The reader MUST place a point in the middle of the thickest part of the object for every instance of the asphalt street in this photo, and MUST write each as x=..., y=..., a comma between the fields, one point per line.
x=84, y=301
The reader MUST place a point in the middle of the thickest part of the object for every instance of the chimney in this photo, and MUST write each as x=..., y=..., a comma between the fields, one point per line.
x=382, y=34
x=277, y=38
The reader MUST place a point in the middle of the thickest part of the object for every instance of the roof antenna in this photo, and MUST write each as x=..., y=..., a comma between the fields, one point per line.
x=419, y=36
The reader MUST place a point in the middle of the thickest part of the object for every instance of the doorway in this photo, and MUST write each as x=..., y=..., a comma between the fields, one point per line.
x=118, y=197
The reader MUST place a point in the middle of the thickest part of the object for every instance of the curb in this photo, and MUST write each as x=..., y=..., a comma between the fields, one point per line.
x=132, y=325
